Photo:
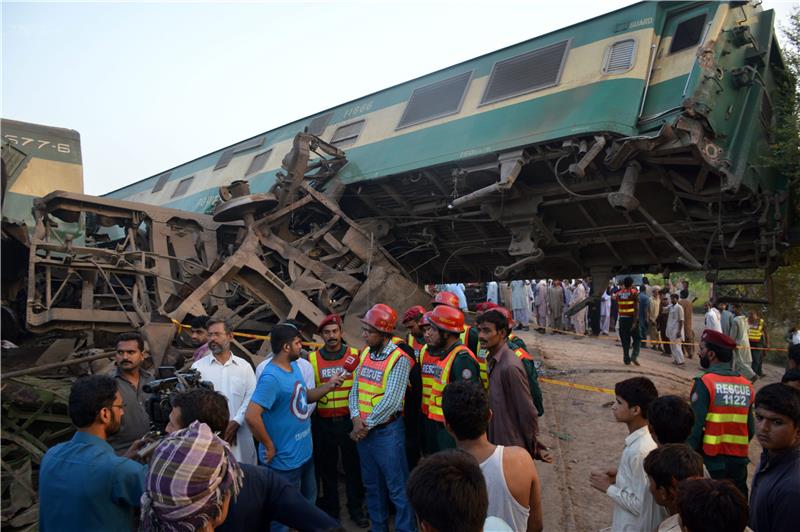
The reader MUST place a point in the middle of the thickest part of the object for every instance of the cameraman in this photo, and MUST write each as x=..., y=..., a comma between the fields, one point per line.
x=264, y=496
x=130, y=379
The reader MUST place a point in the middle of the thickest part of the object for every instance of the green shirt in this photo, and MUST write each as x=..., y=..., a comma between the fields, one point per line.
x=700, y=400
x=327, y=355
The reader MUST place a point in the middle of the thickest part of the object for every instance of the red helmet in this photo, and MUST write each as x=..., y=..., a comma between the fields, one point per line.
x=413, y=314
x=388, y=309
x=507, y=313
x=447, y=319
x=380, y=318
x=425, y=321
x=486, y=306
x=446, y=298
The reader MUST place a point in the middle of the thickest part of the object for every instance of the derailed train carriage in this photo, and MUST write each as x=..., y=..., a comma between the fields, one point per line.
x=633, y=141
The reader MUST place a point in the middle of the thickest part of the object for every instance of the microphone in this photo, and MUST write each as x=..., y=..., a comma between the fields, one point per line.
x=351, y=363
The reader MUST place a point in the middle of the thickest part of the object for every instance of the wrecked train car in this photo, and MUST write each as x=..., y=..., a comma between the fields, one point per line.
x=633, y=141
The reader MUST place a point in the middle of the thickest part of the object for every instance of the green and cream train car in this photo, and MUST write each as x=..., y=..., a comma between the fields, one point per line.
x=633, y=141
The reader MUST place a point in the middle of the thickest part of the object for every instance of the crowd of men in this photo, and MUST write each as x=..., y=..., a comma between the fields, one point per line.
x=438, y=427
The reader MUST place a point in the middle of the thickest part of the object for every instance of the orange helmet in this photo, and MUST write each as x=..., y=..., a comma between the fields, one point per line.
x=446, y=298
x=381, y=317
x=447, y=319
x=507, y=313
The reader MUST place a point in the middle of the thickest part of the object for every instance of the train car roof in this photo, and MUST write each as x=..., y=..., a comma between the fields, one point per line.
x=433, y=73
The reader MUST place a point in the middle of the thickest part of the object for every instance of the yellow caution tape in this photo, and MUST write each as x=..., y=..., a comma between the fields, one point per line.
x=577, y=386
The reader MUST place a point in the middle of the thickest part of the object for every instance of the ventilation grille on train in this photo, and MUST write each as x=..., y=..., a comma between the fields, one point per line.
x=347, y=134
x=227, y=155
x=318, y=125
x=162, y=180
x=526, y=73
x=435, y=100
x=620, y=56
x=258, y=162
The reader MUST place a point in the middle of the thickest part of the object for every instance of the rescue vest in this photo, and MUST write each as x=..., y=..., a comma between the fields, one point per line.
x=333, y=404
x=725, y=432
x=522, y=354
x=439, y=373
x=396, y=340
x=756, y=332
x=372, y=378
x=464, y=337
x=427, y=381
x=484, y=374
x=416, y=345
x=626, y=302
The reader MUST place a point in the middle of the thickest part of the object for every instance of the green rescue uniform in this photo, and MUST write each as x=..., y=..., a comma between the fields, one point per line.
x=720, y=466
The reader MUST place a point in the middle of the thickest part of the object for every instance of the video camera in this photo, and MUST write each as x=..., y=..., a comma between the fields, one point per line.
x=163, y=389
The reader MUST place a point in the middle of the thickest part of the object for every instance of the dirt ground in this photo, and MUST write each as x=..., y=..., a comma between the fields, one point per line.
x=579, y=427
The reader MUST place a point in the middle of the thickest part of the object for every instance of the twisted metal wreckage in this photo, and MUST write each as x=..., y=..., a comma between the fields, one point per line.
x=261, y=258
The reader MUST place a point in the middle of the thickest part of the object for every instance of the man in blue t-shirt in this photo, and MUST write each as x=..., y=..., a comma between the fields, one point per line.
x=279, y=417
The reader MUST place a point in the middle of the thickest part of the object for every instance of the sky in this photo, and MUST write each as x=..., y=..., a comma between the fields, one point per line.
x=151, y=85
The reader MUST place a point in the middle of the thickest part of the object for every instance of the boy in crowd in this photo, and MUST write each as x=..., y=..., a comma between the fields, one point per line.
x=634, y=507
x=665, y=467
x=776, y=486
x=511, y=477
x=792, y=378
x=670, y=419
x=707, y=505
x=447, y=492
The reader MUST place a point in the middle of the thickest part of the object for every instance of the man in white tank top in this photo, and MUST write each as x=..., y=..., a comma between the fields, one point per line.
x=511, y=478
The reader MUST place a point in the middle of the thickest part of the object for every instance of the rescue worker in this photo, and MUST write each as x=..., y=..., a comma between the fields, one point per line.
x=722, y=401
x=376, y=406
x=470, y=335
x=412, y=412
x=757, y=335
x=446, y=360
x=331, y=425
x=628, y=304
x=527, y=361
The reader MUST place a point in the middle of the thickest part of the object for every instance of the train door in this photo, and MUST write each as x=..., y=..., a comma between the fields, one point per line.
x=683, y=30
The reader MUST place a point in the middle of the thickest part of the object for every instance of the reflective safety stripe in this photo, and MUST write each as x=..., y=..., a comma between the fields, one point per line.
x=484, y=374
x=725, y=438
x=334, y=403
x=439, y=382
x=726, y=432
x=626, y=299
x=522, y=354
x=726, y=418
x=372, y=378
x=755, y=333
x=425, y=360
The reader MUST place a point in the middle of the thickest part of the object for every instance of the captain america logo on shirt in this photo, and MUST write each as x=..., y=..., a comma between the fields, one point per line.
x=299, y=401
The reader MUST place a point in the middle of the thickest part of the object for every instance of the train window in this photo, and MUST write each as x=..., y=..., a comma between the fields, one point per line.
x=258, y=162
x=526, y=73
x=620, y=56
x=162, y=180
x=318, y=124
x=688, y=33
x=348, y=134
x=436, y=100
x=228, y=154
x=182, y=187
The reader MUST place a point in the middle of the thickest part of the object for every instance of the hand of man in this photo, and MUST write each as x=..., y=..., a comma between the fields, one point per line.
x=358, y=429
x=600, y=481
x=135, y=446
x=268, y=454
x=230, y=432
x=337, y=380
